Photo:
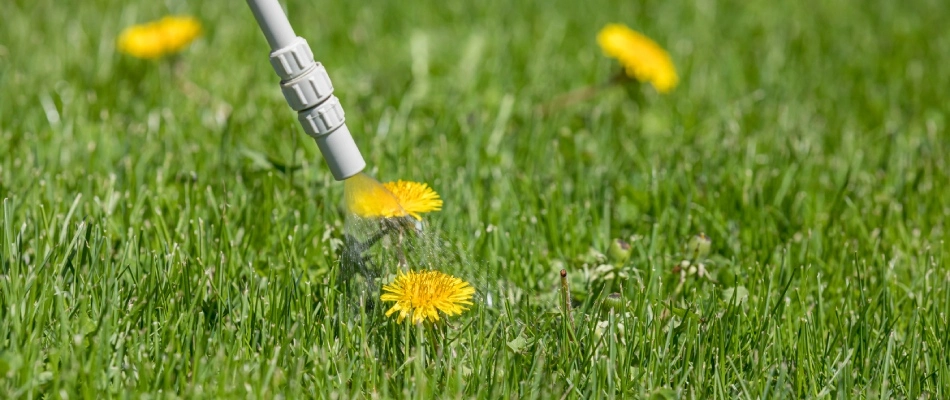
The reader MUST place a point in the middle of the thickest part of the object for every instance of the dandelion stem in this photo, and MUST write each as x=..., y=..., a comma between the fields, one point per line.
x=381, y=233
x=569, y=98
x=581, y=94
x=399, y=251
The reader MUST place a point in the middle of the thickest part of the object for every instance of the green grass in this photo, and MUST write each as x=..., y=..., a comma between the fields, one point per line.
x=157, y=241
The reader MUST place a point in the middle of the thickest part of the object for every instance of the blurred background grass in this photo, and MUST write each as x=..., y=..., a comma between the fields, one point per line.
x=157, y=235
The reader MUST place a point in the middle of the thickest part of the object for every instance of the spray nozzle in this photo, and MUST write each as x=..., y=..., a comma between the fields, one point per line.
x=308, y=90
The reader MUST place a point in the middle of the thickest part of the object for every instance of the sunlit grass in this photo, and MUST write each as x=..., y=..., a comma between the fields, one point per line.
x=167, y=227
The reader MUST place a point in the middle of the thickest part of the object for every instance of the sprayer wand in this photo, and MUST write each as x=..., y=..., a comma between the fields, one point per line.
x=307, y=89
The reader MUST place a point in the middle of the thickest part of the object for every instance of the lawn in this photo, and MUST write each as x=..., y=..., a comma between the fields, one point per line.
x=169, y=231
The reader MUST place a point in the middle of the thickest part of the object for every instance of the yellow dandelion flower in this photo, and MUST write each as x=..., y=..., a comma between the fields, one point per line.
x=369, y=199
x=415, y=197
x=179, y=32
x=421, y=295
x=159, y=38
x=641, y=57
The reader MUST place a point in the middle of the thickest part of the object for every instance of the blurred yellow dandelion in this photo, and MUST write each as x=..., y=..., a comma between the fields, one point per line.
x=421, y=295
x=641, y=57
x=155, y=39
x=415, y=197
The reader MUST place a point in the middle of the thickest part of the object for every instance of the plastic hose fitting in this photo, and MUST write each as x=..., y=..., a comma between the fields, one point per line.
x=308, y=90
